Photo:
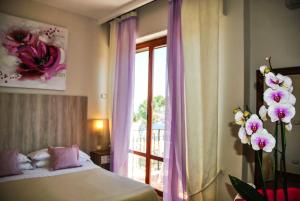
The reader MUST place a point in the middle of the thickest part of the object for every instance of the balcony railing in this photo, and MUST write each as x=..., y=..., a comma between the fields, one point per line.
x=137, y=161
x=138, y=141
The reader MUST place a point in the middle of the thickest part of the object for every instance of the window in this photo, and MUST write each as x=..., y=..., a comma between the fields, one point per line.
x=148, y=123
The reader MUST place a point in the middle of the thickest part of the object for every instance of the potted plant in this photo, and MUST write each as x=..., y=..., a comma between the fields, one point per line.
x=279, y=109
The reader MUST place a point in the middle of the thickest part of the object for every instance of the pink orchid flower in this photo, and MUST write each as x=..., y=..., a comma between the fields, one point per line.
x=272, y=80
x=286, y=83
x=253, y=124
x=282, y=112
x=263, y=141
x=279, y=95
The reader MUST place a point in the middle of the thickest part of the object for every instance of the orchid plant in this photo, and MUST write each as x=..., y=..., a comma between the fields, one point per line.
x=279, y=108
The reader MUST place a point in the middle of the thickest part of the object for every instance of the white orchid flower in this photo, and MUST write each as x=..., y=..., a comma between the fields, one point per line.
x=253, y=124
x=263, y=141
x=283, y=112
x=243, y=136
x=289, y=126
x=263, y=113
x=280, y=77
x=239, y=118
x=279, y=95
x=292, y=99
x=286, y=81
x=272, y=81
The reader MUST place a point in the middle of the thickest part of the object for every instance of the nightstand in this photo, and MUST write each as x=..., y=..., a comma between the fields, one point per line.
x=101, y=158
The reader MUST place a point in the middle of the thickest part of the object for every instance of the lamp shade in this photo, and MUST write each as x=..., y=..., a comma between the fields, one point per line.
x=100, y=125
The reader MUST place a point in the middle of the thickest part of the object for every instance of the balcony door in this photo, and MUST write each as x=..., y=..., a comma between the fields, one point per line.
x=148, y=123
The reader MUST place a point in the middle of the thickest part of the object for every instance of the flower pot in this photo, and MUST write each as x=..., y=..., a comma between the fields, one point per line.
x=293, y=192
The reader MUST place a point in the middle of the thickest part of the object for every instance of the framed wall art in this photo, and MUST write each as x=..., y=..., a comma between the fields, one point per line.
x=32, y=54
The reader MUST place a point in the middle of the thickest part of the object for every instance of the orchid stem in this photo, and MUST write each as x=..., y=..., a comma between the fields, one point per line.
x=269, y=61
x=284, y=182
x=262, y=177
x=275, y=163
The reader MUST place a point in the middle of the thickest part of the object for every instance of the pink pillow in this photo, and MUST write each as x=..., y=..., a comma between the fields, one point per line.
x=9, y=163
x=64, y=157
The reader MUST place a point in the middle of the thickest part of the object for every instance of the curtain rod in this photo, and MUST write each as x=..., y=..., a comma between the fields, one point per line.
x=124, y=9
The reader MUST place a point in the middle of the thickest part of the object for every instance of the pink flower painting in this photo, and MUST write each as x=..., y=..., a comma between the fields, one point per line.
x=32, y=54
x=40, y=61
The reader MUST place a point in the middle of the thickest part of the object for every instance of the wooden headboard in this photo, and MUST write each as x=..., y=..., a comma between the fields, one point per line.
x=30, y=122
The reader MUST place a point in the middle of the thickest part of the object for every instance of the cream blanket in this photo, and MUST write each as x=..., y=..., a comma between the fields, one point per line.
x=90, y=185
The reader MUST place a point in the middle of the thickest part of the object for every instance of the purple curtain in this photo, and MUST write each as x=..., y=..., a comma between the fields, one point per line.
x=175, y=143
x=123, y=95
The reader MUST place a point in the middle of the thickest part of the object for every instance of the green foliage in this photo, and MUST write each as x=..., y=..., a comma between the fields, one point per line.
x=158, y=104
x=245, y=190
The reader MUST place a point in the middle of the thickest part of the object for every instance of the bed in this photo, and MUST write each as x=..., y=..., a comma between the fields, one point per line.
x=86, y=183
x=36, y=121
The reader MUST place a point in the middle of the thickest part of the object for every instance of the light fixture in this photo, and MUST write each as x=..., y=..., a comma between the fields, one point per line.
x=100, y=128
x=98, y=125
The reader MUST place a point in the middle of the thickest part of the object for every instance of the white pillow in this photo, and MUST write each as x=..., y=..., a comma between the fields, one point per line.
x=84, y=156
x=40, y=164
x=44, y=155
x=22, y=158
x=26, y=166
x=39, y=155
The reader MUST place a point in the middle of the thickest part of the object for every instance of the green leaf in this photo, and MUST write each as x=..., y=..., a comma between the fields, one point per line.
x=245, y=190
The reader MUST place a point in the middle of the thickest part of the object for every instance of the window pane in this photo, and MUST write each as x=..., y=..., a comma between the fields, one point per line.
x=157, y=169
x=138, y=128
x=137, y=167
x=158, y=104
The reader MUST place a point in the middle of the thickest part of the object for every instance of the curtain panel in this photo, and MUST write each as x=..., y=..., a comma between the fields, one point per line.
x=175, y=143
x=200, y=36
x=123, y=93
x=113, y=34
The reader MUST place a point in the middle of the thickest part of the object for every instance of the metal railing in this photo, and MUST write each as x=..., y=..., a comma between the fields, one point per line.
x=138, y=141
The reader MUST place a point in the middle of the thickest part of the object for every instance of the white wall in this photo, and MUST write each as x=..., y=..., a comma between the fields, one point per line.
x=274, y=31
x=86, y=55
x=153, y=18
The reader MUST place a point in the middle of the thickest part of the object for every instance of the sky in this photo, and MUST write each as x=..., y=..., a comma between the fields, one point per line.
x=141, y=75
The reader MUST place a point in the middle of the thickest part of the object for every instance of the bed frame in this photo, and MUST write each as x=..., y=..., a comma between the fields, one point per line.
x=30, y=122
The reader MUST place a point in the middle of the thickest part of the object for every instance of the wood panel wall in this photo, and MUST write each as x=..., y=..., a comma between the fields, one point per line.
x=30, y=122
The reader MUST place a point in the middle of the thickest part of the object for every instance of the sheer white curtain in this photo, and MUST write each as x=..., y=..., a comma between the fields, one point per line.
x=113, y=31
x=200, y=34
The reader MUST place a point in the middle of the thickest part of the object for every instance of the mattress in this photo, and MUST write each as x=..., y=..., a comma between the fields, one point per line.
x=87, y=183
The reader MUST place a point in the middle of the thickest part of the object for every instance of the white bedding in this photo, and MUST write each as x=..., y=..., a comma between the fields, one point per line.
x=44, y=172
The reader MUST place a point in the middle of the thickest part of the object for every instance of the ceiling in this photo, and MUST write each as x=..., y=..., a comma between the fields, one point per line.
x=96, y=9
